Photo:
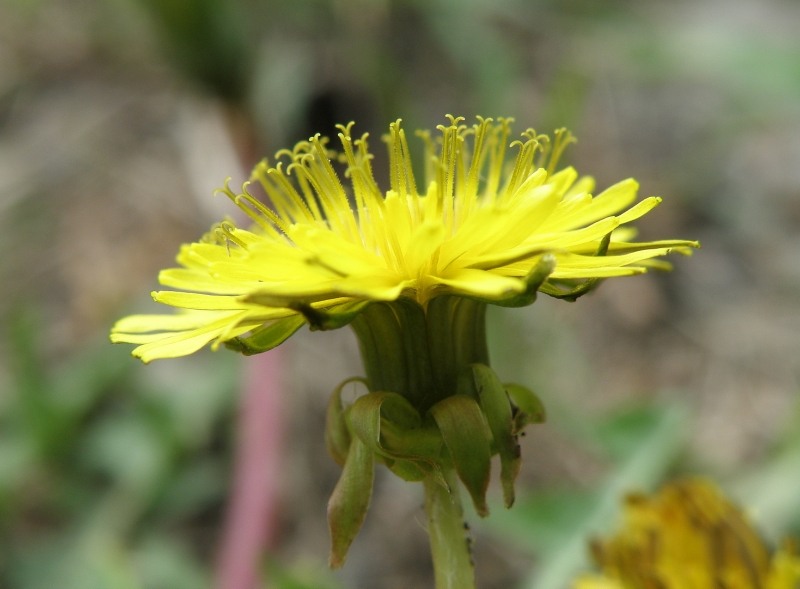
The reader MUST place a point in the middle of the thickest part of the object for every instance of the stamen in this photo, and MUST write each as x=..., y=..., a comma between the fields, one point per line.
x=562, y=139
x=403, y=156
x=430, y=158
x=397, y=181
x=365, y=189
x=478, y=156
x=254, y=209
x=227, y=230
x=369, y=200
x=296, y=168
x=258, y=212
x=365, y=158
x=309, y=176
x=446, y=170
x=322, y=171
x=470, y=191
x=286, y=200
x=522, y=165
x=497, y=157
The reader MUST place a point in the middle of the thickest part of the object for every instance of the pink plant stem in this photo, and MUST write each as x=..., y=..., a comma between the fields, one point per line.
x=250, y=523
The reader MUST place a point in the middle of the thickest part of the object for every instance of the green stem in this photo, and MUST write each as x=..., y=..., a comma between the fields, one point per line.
x=452, y=560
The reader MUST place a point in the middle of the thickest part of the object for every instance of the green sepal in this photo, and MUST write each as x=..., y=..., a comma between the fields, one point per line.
x=391, y=428
x=410, y=471
x=496, y=408
x=349, y=501
x=267, y=337
x=456, y=339
x=381, y=343
x=337, y=435
x=365, y=416
x=329, y=319
x=534, y=281
x=527, y=407
x=569, y=292
x=575, y=292
x=412, y=453
x=468, y=438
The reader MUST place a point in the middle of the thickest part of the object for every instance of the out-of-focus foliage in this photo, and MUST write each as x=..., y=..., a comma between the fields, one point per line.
x=209, y=40
x=106, y=471
x=642, y=444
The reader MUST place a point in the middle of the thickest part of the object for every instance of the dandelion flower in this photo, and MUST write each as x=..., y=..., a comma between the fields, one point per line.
x=493, y=220
x=689, y=536
x=412, y=270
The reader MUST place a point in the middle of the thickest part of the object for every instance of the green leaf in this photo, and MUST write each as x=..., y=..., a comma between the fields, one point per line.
x=349, y=501
x=468, y=438
x=497, y=409
x=267, y=337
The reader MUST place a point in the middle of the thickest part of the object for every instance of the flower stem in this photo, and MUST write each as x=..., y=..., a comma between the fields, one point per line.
x=452, y=559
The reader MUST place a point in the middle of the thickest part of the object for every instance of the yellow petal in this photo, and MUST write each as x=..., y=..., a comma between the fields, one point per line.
x=489, y=210
x=481, y=283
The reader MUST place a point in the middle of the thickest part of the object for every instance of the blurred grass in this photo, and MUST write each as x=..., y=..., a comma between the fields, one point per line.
x=643, y=445
x=105, y=469
x=111, y=137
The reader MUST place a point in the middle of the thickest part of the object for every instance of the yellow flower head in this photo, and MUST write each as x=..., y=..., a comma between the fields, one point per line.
x=689, y=536
x=492, y=220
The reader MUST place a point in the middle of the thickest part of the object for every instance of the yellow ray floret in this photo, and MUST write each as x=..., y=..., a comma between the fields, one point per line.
x=689, y=536
x=486, y=214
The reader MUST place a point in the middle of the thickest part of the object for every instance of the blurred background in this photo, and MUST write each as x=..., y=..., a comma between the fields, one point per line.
x=118, y=119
